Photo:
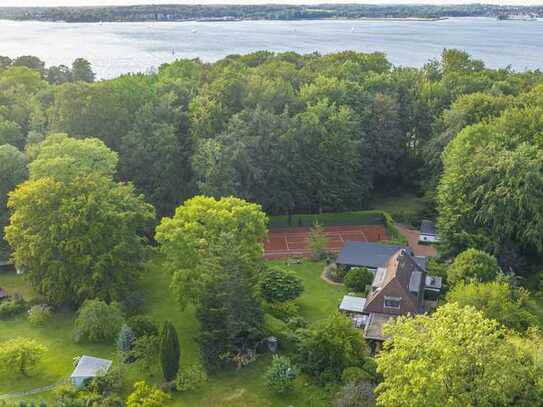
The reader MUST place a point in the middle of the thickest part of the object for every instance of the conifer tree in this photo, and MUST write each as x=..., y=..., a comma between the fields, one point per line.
x=169, y=351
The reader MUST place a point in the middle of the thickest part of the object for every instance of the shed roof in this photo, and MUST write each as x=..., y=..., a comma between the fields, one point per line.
x=351, y=303
x=374, y=326
x=366, y=254
x=89, y=366
x=427, y=227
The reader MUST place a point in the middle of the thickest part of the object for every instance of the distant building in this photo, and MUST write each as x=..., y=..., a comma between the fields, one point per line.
x=401, y=287
x=428, y=232
x=87, y=368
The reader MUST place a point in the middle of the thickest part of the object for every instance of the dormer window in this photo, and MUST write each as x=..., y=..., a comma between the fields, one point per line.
x=393, y=302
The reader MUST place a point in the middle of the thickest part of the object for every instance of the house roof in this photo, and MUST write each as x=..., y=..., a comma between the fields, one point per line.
x=421, y=261
x=427, y=227
x=89, y=366
x=351, y=303
x=366, y=254
x=404, y=271
x=374, y=326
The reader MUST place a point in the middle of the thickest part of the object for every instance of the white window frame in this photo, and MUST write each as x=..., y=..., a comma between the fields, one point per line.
x=398, y=299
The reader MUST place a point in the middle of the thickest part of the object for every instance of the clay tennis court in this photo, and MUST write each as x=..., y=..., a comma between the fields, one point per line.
x=291, y=242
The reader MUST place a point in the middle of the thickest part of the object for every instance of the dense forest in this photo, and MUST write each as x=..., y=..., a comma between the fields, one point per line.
x=304, y=134
x=258, y=12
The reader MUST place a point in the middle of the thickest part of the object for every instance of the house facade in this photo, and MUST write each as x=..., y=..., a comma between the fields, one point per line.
x=400, y=287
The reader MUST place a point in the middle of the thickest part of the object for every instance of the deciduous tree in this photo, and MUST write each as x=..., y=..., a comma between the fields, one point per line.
x=473, y=264
x=190, y=237
x=333, y=346
x=21, y=354
x=456, y=357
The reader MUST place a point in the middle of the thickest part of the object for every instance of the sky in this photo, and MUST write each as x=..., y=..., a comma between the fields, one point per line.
x=23, y=3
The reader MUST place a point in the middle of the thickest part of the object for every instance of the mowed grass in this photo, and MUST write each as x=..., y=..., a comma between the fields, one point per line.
x=56, y=335
x=244, y=388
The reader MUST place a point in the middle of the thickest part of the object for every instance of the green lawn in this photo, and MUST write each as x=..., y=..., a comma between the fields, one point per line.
x=232, y=389
x=405, y=208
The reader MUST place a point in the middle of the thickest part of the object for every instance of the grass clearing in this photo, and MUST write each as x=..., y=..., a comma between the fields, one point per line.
x=405, y=208
x=329, y=219
x=244, y=388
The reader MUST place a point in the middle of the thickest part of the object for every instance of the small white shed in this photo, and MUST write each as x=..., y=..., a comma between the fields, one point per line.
x=87, y=368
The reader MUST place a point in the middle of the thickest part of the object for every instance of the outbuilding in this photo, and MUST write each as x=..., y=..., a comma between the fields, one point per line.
x=428, y=232
x=87, y=368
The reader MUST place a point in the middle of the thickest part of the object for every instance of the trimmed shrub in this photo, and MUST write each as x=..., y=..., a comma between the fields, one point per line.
x=284, y=311
x=280, y=285
x=145, y=395
x=191, y=378
x=39, y=314
x=280, y=375
x=12, y=307
x=98, y=321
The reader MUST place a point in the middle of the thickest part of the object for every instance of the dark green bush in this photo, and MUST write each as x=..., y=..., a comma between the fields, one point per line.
x=12, y=307
x=357, y=279
x=142, y=325
x=277, y=285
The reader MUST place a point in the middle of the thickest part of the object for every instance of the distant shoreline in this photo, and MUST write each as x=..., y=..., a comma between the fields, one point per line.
x=268, y=12
x=226, y=20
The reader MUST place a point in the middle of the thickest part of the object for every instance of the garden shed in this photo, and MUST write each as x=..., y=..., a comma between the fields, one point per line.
x=87, y=368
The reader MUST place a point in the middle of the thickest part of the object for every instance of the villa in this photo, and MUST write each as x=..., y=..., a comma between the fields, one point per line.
x=400, y=287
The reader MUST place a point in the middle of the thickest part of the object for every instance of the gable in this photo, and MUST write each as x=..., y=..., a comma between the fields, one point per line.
x=392, y=290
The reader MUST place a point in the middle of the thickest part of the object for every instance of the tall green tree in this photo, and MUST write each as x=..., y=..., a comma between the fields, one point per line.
x=499, y=301
x=82, y=71
x=456, y=357
x=228, y=309
x=490, y=194
x=73, y=229
x=169, y=351
x=13, y=171
x=195, y=231
x=331, y=347
x=156, y=154
x=473, y=265
x=63, y=158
